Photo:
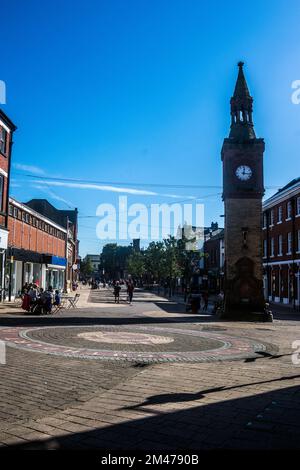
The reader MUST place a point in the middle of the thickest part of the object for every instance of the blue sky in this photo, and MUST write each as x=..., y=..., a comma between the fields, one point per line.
x=138, y=91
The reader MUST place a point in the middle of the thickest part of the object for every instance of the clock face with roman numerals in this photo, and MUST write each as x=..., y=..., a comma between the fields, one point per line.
x=243, y=172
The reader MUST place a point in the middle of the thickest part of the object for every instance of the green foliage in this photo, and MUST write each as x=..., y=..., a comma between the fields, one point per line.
x=86, y=268
x=114, y=258
x=136, y=264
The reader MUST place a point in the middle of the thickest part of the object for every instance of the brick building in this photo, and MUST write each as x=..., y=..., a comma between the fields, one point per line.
x=36, y=250
x=7, y=129
x=215, y=259
x=69, y=220
x=281, y=245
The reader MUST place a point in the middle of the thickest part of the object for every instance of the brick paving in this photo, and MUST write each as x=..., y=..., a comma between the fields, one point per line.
x=54, y=402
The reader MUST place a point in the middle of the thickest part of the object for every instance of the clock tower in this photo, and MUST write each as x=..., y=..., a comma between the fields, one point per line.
x=243, y=189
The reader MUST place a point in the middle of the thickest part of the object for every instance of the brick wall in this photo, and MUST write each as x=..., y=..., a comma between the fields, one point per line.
x=24, y=235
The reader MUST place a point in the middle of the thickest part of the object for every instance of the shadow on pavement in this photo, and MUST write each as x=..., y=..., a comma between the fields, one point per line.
x=269, y=420
x=184, y=397
x=50, y=320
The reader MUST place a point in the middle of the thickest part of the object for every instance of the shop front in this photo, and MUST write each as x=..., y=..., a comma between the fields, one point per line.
x=22, y=266
x=55, y=272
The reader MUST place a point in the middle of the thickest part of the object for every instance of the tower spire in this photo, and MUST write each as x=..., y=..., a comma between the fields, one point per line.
x=241, y=109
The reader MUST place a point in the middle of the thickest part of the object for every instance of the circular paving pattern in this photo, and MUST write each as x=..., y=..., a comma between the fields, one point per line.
x=145, y=344
x=120, y=337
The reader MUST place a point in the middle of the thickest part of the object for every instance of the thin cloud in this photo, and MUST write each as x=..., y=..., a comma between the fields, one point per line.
x=29, y=168
x=52, y=195
x=97, y=187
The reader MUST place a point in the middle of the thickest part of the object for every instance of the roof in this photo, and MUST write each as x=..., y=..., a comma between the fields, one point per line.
x=58, y=215
x=291, y=188
x=37, y=214
x=241, y=88
x=7, y=121
x=217, y=236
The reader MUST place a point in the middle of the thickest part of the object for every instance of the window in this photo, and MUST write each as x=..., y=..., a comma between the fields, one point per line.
x=280, y=245
x=10, y=210
x=1, y=191
x=15, y=212
x=289, y=210
x=279, y=218
x=298, y=244
x=3, y=140
x=23, y=216
x=27, y=218
x=272, y=246
x=264, y=220
x=265, y=248
x=298, y=205
x=272, y=217
x=289, y=243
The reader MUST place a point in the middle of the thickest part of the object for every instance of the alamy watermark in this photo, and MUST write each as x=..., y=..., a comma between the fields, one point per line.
x=154, y=222
x=296, y=353
x=2, y=353
x=2, y=92
x=296, y=94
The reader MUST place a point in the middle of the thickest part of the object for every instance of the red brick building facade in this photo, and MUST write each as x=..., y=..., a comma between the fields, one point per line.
x=7, y=129
x=36, y=250
x=281, y=245
x=281, y=248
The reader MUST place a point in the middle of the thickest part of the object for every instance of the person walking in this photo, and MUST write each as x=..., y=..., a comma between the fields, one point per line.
x=130, y=289
x=117, y=289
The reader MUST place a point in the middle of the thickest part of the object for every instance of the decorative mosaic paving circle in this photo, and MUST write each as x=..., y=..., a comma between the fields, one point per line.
x=119, y=337
x=184, y=345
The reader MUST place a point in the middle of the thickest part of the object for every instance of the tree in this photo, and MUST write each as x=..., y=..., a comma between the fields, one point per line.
x=136, y=264
x=108, y=259
x=114, y=259
x=154, y=260
x=172, y=261
x=86, y=268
